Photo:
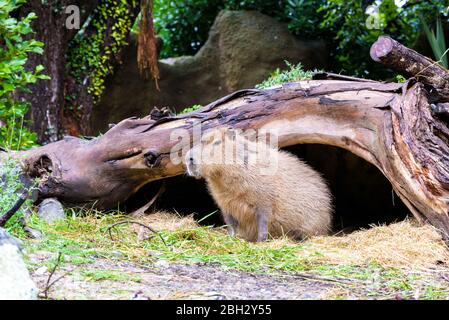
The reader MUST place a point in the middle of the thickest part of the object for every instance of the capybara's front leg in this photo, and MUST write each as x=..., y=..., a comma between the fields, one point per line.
x=262, y=224
x=231, y=223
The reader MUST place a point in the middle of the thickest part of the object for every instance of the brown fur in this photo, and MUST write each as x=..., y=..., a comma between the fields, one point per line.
x=294, y=199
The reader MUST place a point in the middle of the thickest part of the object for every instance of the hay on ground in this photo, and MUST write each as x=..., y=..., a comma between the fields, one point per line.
x=404, y=244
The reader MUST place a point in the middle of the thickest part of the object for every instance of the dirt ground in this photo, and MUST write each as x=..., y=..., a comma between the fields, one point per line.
x=165, y=280
x=178, y=281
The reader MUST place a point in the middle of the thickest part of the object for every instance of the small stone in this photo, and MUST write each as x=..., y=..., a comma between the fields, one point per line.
x=139, y=295
x=162, y=264
x=117, y=254
x=33, y=233
x=41, y=271
x=51, y=210
x=154, y=253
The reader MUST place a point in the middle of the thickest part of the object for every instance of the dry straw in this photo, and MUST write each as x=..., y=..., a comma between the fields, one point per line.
x=401, y=245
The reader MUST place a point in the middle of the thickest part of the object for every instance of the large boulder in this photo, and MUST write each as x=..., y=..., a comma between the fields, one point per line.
x=15, y=280
x=243, y=48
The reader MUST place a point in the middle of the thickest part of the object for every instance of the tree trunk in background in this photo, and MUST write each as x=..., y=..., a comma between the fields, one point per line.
x=47, y=97
x=51, y=115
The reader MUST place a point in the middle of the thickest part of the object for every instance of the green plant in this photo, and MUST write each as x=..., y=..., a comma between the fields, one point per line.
x=89, y=56
x=437, y=41
x=190, y=109
x=304, y=18
x=342, y=24
x=294, y=73
x=11, y=185
x=14, y=50
x=345, y=24
x=400, y=78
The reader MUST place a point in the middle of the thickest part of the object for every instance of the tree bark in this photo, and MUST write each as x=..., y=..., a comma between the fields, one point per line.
x=51, y=116
x=412, y=64
x=47, y=97
x=390, y=125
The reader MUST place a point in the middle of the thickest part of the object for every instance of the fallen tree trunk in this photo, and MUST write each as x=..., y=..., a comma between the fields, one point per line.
x=389, y=125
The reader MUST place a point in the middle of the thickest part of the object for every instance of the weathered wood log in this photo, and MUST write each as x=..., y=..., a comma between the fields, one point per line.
x=412, y=64
x=376, y=121
x=390, y=125
x=108, y=169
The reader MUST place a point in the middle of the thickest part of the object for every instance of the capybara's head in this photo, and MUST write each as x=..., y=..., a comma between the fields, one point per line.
x=207, y=154
x=221, y=149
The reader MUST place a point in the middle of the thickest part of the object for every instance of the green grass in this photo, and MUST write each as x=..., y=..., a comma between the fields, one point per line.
x=294, y=73
x=83, y=238
x=86, y=238
x=435, y=292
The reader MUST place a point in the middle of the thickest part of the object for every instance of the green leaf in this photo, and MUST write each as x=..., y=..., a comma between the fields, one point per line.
x=40, y=68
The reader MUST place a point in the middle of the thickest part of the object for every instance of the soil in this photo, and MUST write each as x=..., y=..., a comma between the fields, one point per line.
x=164, y=280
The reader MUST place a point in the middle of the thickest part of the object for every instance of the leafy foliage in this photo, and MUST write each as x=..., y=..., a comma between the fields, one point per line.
x=184, y=25
x=191, y=109
x=345, y=22
x=14, y=51
x=437, y=42
x=278, y=77
x=87, y=58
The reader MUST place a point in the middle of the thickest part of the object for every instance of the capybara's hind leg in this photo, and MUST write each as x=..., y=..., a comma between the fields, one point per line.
x=262, y=224
x=231, y=223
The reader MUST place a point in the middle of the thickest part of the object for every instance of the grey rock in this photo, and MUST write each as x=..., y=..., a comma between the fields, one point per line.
x=6, y=238
x=51, y=210
x=33, y=233
x=161, y=264
x=15, y=280
x=41, y=271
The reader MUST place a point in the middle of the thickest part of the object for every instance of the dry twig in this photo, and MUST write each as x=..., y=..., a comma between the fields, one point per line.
x=109, y=229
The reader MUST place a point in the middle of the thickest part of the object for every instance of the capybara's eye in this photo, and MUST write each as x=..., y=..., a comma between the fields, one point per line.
x=218, y=142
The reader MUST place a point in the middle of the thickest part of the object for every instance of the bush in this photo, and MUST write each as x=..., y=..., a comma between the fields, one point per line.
x=184, y=25
x=14, y=50
x=345, y=23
